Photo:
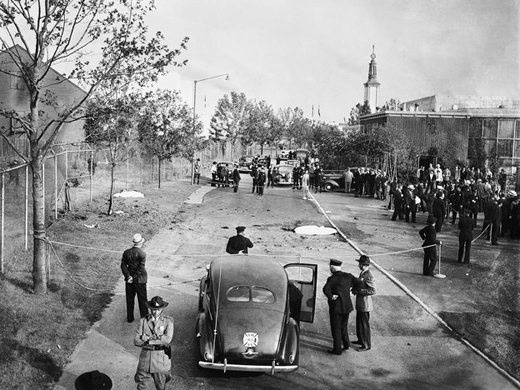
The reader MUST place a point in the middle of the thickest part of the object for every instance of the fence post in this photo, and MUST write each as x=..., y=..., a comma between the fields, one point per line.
x=2, y=227
x=91, y=172
x=55, y=187
x=26, y=207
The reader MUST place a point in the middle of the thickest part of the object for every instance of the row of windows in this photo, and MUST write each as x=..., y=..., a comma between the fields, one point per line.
x=495, y=129
x=506, y=148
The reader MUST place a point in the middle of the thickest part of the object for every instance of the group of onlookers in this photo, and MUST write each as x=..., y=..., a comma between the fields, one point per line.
x=472, y=192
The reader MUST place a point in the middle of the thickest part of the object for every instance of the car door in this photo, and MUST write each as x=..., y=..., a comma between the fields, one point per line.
x=305, y=277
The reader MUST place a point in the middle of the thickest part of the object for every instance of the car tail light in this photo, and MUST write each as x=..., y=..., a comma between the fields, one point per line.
x=291, y=359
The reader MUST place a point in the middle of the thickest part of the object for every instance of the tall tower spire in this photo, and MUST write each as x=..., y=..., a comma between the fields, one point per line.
x=372, y=85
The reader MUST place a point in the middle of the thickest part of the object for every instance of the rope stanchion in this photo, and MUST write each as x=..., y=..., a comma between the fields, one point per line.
x=440, y=275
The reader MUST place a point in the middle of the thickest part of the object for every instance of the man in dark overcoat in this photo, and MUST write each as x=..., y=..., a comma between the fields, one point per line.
x=337, y=290
x=429, y=235
x=136, y=277
x=239, y=243
x=465, y=235
x=439, y=210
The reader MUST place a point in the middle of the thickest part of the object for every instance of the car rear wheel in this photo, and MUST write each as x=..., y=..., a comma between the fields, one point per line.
x=329, y=187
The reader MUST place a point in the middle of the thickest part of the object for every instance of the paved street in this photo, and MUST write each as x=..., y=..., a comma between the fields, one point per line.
x=412, y=349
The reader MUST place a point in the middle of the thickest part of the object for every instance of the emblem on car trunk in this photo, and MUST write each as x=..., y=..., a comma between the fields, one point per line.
x=250, y=339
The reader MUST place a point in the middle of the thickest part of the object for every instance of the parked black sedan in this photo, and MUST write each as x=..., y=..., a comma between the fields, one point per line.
x=249, y=313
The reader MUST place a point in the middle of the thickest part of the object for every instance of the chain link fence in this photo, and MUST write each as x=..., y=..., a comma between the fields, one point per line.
x=76, y=174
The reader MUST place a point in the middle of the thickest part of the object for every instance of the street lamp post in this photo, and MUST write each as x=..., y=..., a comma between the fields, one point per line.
x=194, y=106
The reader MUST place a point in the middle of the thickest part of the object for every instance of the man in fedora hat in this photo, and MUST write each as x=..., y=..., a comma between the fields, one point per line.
x=239, y=243
x=154, y=335
x=337, y=290
x=363, y=289
x=136, y=277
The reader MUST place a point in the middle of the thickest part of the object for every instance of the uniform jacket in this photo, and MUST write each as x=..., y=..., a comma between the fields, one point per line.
x=238, y=243
x=366, y=287
x=438, y=208
x=132, y=264
x=466, y=228
x=236, y=175
x=429, y=235
x=339, y=283
x=150, y=360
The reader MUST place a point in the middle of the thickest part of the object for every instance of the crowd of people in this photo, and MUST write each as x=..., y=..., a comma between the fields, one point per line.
x=436, y=191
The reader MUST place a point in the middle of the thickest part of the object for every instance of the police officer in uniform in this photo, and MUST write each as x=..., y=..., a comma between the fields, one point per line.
x=239, y=243
x=154, y=335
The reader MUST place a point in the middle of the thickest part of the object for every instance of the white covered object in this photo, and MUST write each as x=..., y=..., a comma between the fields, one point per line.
x=314, y=230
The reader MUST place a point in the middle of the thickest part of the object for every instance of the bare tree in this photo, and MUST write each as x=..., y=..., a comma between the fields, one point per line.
x=38, y=35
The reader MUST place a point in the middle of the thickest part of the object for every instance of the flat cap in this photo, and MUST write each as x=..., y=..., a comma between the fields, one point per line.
x=240, y=228
x=335, y=263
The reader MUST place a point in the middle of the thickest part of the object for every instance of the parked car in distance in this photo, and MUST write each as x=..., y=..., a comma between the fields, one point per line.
x=244, y=163
x=229, y=170
x=246, y=321
x=283, y=174
x=284, y=154
x=333, y=179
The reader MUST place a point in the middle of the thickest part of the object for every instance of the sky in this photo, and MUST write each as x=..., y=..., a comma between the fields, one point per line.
x=315, y=53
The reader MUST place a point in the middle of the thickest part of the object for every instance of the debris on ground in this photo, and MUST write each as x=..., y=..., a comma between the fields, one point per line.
x=129, y=194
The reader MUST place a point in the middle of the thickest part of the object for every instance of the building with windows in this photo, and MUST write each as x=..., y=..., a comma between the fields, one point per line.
x=459, y=126
x=58, y=94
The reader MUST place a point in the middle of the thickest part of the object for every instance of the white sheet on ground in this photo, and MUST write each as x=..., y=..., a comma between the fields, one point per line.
x=314, y=230
x=129, y=194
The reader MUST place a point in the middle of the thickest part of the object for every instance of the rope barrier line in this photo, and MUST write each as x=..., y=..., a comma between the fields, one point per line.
x=71, y=277
x=423, y=305
x=483, y=231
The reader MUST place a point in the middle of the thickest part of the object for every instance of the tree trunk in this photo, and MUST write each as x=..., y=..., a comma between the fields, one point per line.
x=40, y=247
x=111, y=197
x=159, y=165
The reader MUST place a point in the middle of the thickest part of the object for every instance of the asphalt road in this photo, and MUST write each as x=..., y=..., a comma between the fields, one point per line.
x=411, y=349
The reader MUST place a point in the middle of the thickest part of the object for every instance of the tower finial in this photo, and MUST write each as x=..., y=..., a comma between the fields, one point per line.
x=373, y=55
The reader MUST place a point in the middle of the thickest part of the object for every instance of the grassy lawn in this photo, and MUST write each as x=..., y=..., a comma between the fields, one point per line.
x=39, y=333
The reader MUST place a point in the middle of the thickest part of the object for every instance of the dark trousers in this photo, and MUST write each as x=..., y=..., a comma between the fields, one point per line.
x=439, y=223
x=430, y=260
x=363, y=328
x=255, y=185
x=464, y=249
x=260, y=189
x=235, y=189
x=339, y=330
x=196, y=178
x=133, y=289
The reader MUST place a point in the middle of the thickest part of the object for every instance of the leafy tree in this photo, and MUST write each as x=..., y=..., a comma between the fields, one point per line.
x=228, y=120
x=391, y=105
x=39, y=34
x=260, y=125
x=296, y=127
x=358, y=111
x=166, y=129
x=331, y=146
x=110, y=126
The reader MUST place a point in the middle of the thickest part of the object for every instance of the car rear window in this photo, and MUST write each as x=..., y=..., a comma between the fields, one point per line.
x=250, y=293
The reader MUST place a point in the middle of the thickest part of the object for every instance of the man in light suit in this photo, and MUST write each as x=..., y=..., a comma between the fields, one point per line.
x=363, y=290
x=337, y=290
